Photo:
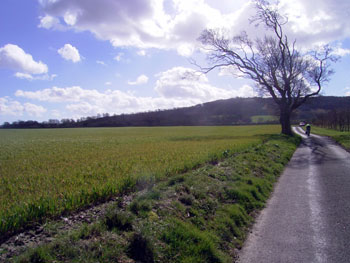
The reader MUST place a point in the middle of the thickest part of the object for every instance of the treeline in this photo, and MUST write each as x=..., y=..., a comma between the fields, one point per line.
x=236, y=111
x=336, y=119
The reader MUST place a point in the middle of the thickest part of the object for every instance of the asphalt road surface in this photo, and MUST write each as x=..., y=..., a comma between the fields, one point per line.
x=307, y=219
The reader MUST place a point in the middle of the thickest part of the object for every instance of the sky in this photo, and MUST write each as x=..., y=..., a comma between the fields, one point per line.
x=76, y=58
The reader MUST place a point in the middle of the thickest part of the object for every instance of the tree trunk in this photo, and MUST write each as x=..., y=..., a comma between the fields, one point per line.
x=285, y=122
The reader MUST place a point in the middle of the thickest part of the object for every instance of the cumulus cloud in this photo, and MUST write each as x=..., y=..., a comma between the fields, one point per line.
x=176, y=24
x=142, y=79
x=186, y=83
x=13, y=57
x=12, y=107
x=339, y=51
x=68, y=52
x=177, y=87
x=50, y=22
x=84, y=102
x=317, y=22
x=34, y=110
x=168, y=24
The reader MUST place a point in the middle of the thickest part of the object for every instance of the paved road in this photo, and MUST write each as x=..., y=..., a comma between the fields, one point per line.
x=307, y=218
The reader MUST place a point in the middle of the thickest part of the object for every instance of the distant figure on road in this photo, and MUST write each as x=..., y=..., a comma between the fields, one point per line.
x=308, y=129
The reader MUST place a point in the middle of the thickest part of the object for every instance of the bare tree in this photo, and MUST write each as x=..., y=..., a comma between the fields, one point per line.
x=277, y=67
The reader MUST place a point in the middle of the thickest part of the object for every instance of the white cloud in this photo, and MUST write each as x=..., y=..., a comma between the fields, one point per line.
x=141, y=53
x=230, y=71
x=177, y=87
x=101, y=62
x=347, y=91
x=165, y=24
x=55, y=94
x=30, y=77
x=342, y=52
x=83, y=102
x=83, y=108
x=119, y=56
x=34, y=110
x=317, y=21
x=23, y=76
x=13, y=57
x=142, y=79
x=10, y=107
x=50, y=22
x=185, y=50
x=70, y=17
x=176, y=24
x=186, y=83
x=108, y=83
x=68, y=52
x=246, y=91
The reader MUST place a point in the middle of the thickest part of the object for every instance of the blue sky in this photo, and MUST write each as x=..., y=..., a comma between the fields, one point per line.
x=74, y=58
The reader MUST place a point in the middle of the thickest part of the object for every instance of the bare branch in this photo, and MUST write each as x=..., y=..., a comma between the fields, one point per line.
x=272, y=62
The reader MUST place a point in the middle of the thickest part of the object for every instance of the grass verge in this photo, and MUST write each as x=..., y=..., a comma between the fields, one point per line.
x=342, y=138
x=200, y=216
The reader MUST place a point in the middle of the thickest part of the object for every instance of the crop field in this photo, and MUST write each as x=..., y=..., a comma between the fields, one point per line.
x=48, y=172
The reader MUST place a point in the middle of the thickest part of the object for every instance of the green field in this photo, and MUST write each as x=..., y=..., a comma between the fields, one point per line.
x=203, y=215
x=47, y=172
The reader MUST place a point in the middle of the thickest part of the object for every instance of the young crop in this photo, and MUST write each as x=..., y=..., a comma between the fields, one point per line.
x=49, y=172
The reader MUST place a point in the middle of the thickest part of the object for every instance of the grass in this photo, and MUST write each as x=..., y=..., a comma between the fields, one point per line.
x=201, y=216
x=342, y=138
x=48, y=172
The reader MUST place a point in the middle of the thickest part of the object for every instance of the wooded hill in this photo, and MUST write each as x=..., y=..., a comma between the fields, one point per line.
x=235, y=111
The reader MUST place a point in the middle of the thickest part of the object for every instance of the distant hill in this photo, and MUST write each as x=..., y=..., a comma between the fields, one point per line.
x=235, y=111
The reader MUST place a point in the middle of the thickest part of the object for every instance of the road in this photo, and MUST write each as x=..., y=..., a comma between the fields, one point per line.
x=307, y=219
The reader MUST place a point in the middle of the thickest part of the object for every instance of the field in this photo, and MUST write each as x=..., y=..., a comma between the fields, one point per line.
x=202, y=215
x=49, y=172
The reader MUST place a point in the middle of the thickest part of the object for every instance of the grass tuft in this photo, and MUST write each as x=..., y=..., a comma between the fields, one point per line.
x=119, y=220
x=188, y=244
